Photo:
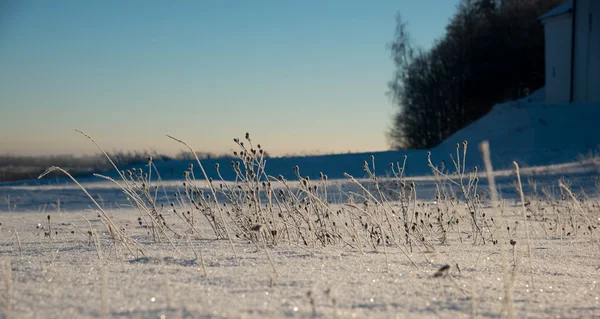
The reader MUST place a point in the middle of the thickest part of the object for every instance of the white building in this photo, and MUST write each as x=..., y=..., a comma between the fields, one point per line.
x=572, y=45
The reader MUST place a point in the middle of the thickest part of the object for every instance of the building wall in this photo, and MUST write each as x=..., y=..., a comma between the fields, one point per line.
x=587, y=51
x=558, y=59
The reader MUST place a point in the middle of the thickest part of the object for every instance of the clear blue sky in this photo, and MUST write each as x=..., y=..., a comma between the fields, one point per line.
x=300, y=76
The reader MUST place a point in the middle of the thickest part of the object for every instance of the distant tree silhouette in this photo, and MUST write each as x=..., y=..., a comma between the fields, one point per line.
x=493, y=51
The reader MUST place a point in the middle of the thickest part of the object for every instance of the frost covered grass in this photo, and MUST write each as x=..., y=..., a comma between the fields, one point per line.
x=264, y=246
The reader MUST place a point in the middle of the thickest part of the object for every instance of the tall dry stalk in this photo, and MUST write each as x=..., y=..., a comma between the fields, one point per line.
x=214, y=193
x=525, y=221
x=113, y=228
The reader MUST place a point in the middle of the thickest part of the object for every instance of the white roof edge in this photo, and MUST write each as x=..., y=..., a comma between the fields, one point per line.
x=564, y=8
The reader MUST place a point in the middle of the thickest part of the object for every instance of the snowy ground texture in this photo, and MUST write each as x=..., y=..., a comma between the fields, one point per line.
x=65, y=277
x=383, y=245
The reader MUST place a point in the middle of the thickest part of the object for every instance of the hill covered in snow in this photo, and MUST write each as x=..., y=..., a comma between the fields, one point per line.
x=533, y=133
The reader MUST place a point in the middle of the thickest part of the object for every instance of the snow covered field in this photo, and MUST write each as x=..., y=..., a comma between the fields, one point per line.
x=63, y=277
x=410, y=245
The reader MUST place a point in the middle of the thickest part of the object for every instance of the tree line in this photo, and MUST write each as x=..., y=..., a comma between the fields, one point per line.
x=493, y=51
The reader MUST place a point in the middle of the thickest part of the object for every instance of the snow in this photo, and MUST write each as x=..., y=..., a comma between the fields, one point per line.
x=532, y=133
x=64, y=275
x=559, y=10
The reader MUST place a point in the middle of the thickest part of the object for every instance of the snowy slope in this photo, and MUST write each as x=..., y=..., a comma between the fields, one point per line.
x=532, y=133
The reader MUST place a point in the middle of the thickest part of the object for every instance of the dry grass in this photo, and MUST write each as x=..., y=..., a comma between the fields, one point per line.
x=379, y=215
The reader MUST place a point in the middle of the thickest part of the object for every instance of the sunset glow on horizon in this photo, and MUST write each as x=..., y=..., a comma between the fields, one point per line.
x=301, y=77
